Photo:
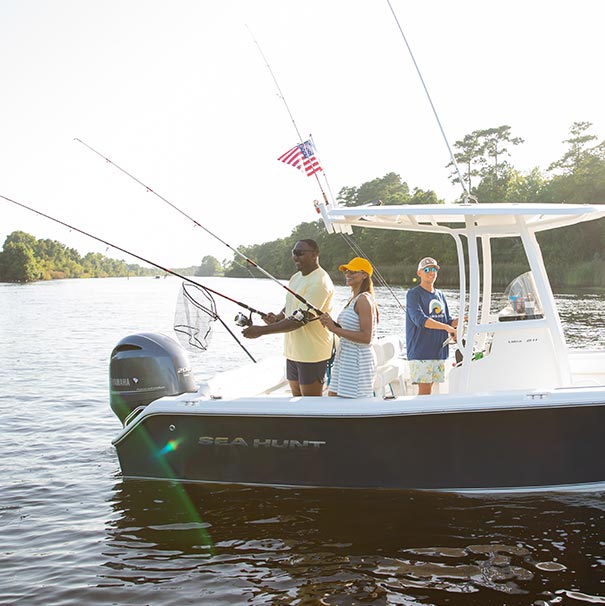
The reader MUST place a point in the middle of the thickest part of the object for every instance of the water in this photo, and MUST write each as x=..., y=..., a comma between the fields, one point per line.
x=73, y=532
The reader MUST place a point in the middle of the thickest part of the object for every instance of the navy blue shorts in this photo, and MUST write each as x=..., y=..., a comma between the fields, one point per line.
x=305, y=373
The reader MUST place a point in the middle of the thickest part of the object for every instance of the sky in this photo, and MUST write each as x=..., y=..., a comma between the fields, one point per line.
x=178, y=95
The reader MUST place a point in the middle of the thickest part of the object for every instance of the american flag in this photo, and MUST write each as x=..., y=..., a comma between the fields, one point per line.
x=302, y=156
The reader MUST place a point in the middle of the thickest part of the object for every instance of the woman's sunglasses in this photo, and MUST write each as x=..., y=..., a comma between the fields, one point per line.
x=427, y=270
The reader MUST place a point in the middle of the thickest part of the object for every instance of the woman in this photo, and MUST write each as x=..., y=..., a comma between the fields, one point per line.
x=354, y=366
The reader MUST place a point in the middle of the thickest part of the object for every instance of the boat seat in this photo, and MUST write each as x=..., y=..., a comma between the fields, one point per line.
x=390, y=367
x=587, y=367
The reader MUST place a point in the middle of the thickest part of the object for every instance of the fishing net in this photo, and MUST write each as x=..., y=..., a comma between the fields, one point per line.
x=194, y=316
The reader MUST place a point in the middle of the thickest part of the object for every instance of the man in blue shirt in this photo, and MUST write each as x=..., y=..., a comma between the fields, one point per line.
x=428, y=324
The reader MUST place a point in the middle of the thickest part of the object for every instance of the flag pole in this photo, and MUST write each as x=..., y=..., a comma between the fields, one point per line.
x=325, y=177
x=283, y=98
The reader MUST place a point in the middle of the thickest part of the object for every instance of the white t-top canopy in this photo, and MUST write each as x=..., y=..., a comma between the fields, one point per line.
x=517, y=342
x=493, y=219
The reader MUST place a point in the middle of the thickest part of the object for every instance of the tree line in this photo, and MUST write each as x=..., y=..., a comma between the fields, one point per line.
x=483, y=167
x=573, y=254
x=27, y=259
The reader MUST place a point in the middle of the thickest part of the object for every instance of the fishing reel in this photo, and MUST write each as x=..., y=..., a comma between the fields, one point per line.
x=243, y=320
x=299, y=315
x=304, y=316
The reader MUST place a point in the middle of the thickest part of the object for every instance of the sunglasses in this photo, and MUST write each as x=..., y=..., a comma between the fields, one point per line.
x=427, y=270
x=299, y=253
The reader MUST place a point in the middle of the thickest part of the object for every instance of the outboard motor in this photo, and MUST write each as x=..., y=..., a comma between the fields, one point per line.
x=145, y=367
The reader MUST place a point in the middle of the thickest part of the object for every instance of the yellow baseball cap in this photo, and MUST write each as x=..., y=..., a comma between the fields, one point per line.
x=358, y=264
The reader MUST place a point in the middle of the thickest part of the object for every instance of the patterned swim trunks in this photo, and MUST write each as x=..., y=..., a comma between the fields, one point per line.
x=427, y=371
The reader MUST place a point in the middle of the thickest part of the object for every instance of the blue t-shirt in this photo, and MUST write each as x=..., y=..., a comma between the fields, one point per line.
x=425, y=343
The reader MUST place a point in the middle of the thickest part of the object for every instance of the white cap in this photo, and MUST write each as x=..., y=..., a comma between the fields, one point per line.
x=427, y=262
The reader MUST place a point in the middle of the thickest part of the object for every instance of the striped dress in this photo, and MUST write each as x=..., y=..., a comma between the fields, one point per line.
x=354, y=366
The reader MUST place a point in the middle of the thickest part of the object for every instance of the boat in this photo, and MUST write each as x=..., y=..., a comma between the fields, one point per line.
x=519, y=410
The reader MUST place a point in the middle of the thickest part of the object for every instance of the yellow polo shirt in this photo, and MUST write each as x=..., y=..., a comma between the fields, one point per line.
x=311, y=342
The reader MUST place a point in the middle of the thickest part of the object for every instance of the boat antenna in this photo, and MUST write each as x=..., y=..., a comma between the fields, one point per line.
x=466, y=194
x=160, y=267
x=197, y=224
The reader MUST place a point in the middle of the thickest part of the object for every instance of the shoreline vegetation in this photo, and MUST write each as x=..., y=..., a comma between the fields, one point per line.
x=572, y=255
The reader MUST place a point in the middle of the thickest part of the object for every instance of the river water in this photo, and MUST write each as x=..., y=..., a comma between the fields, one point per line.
x=73, y=532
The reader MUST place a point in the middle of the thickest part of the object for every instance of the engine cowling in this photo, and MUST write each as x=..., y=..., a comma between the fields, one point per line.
x=145, y=367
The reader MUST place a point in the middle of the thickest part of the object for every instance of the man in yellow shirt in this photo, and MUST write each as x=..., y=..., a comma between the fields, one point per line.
x=307, y=344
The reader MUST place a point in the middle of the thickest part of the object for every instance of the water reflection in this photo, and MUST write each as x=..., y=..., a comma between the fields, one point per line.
x=294, y=546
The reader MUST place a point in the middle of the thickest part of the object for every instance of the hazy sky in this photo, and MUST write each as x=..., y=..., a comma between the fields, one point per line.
x=177, y=93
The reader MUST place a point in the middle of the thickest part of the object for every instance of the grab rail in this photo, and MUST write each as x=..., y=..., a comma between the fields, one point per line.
x=135, y=412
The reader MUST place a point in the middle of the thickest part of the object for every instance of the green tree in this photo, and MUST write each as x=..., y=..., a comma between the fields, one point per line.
x=25, y=259
x=21, y=237
x=208, y=267
x=390, y=189
x=494, y=147
x=483, y=154
x=467, y=158
x=579, y=175
x=18, y=264
x=578, y=153
x=420, y=196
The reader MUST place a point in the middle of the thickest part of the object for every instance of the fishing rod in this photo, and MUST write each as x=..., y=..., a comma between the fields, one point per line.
x=357, y=249
x=466, y=193
x=283, y=98
x=197, y=224
x=165, y=269
x=348, y=239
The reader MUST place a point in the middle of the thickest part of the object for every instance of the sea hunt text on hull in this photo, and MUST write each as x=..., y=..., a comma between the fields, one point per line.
x=259, y=442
